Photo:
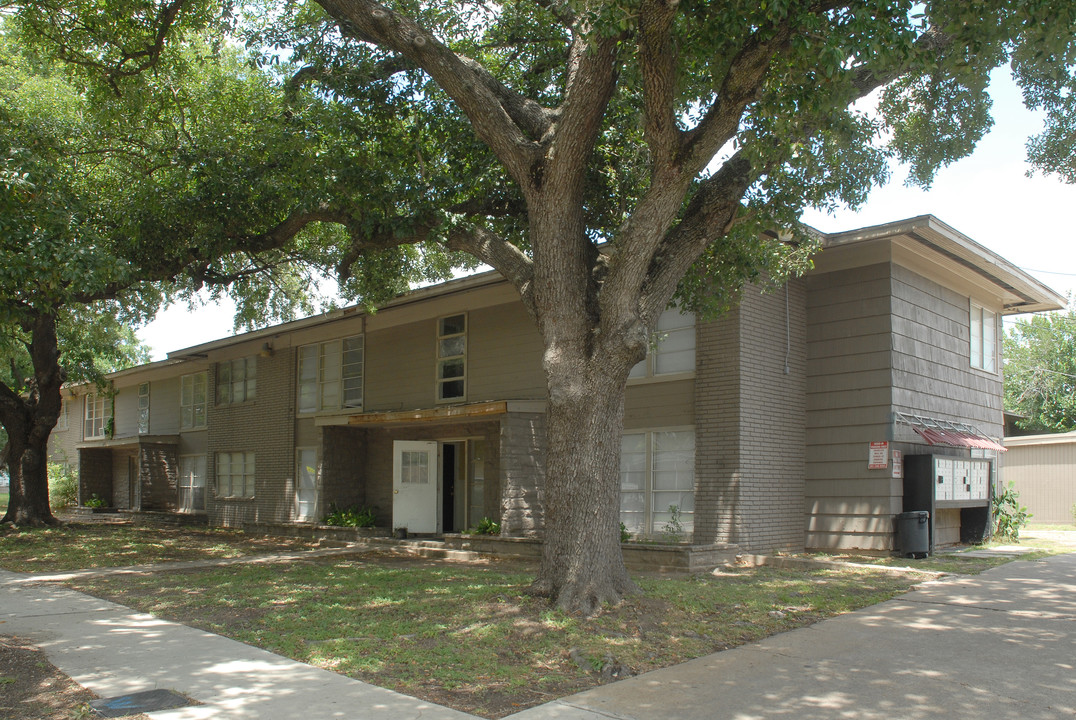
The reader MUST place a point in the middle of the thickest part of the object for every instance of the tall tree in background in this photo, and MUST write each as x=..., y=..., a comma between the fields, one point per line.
x=606, y=158
x=1040, y=372
x=111, y=205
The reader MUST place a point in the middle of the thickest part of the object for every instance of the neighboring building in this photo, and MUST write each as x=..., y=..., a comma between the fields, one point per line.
x=1043, y=470
x=754, y=428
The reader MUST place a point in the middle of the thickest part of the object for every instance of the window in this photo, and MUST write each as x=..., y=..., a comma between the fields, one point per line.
x=672, y=347
x=235, y=475
x=452, y=358
x=143, y=408
x=192, y=483
x=306, y=488
x=62, y=422
x=415, y=467
x=96, y=416
x=984, y=345
x=192, y=401
x=657, y=482
x=330, y=375
x=236, y=380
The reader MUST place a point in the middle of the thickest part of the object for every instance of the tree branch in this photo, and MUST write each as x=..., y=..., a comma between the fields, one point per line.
x=658, y=65
x=500, y=254
x=505, y=121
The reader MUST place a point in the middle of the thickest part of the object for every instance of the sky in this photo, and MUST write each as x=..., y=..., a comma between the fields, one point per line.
x=986, y=196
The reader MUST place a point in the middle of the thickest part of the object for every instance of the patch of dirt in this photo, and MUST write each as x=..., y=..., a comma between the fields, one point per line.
x=31, y=688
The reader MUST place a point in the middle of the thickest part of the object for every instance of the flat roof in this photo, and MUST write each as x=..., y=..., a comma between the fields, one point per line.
x=1022, y=292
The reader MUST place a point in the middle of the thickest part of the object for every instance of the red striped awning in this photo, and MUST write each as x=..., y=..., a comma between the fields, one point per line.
x=956, y=438
x=944, y=432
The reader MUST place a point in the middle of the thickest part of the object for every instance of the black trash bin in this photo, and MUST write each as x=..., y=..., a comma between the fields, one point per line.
x=913, y=533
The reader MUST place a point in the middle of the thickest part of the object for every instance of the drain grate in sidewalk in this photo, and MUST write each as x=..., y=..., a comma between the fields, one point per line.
x=149, y=701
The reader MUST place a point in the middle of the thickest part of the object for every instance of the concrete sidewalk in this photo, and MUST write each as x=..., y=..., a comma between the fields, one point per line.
x=1000, y=645
x=113, y=650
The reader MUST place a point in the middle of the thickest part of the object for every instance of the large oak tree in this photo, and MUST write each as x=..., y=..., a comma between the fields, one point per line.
x=607, y=158
x=112, y=204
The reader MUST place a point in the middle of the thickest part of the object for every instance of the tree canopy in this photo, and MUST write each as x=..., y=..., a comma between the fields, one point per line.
x=606, y=158
x=1040, y=372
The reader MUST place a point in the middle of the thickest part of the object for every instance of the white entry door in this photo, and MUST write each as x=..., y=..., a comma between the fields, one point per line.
x=414, y=486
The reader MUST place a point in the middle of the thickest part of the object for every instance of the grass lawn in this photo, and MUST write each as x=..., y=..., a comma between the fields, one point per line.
x=466, y=635
x=83, y=545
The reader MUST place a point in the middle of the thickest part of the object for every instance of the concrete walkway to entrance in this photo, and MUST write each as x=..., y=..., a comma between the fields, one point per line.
x=1000, y=645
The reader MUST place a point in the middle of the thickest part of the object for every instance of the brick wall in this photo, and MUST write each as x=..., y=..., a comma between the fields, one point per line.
x=343, y=459
x=159, y=475
x=522, y=473
x=95, y=474
x=750, y=422
x=264, y=426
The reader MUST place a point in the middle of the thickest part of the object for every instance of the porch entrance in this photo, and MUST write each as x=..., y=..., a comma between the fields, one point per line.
x=463, y=484
x=438, y=486
x=414, y=486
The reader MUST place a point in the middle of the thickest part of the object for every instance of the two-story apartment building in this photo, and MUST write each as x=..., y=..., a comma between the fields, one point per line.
x=755, y=428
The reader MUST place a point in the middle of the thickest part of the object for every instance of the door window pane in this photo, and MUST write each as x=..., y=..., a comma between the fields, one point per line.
x=415, y=467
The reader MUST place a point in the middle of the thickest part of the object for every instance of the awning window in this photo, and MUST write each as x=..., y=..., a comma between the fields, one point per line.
x=944, y=432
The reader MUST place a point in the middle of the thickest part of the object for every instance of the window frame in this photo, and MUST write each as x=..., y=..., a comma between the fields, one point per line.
x=63, y=422
x=90, y=422
x=647, y=368
x=193, y=405
x=978, y=341
x=653, y=516
x=227, y=384
x=180, y=485
x=312, y=360
x=247, y=477
x=300, y=451
x=440, y=382
x=143, y=408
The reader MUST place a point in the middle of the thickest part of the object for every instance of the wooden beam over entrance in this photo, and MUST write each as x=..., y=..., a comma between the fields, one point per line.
x=454, y=412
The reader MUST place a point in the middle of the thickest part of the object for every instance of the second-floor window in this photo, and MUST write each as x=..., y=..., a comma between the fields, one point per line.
x=330, y=375
x=236, y=380
x=192, y=401
x=984, y=342
x=96, y=416
x=62, y=421
x=452, y=358
x=143, y=408
x=672, y=346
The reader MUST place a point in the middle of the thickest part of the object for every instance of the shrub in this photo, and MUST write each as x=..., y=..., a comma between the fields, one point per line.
x=486, y=526
x=364, y=517
x=673, y=530
x=63, y=486
x=95, y=501
x=1009, y=515
x=625, y=536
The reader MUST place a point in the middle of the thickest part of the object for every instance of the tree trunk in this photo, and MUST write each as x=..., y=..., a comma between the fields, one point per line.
x=28, y=502
x=582, y=566
x=28, y=419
